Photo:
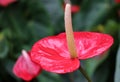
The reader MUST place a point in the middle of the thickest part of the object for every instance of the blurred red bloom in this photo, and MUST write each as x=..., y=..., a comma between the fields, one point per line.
x=24, y=68
x=117, y=1
x=52, y=54
x=6, y=2
x=74, y=8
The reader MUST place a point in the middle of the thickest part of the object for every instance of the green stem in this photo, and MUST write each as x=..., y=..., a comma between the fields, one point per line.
x=85, y=74
x=71, y=77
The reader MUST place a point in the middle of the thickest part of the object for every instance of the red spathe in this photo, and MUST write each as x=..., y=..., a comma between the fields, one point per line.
x=6, y=2
x=26, y=69
x=53, y=55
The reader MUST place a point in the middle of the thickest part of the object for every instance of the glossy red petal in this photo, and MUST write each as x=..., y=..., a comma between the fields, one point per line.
x=6, y=2
x=52, y=55
x=90, y=44
x=26, y=69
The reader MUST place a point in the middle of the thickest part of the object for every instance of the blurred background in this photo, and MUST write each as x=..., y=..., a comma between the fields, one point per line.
x=23, y=22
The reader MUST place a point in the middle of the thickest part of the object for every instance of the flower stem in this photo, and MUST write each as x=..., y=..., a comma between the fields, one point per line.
x=71, y=77
x=69, y=30
x=85, y=74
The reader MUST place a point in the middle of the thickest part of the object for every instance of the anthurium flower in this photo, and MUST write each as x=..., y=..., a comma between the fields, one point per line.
x=24, y=68
x=61, y=53
x=6, y=2
x=53, y=55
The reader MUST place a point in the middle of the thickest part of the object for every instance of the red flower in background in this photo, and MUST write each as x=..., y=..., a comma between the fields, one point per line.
x=74, y=8
x=6, y=2
x=117, y=1
x=52, y=54
x=24, y=68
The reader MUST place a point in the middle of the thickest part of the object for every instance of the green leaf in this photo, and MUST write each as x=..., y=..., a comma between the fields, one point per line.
x=102, y=73
x=92, y=63
x=51, y=77
x=111, y=27
x=91, y=14
x=39, y=30
x=6, y=71
x=3, y=46
x=117, y=68
x=35, y=11
x=54, y=9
